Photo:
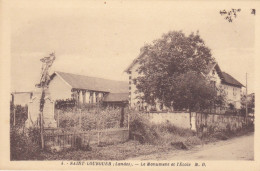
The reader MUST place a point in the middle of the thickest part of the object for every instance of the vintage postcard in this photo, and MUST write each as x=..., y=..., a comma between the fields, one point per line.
x=129, y=85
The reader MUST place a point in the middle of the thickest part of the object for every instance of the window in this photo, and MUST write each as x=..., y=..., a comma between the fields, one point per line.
x=213, y=72
x=234, y=91
x=213, y=84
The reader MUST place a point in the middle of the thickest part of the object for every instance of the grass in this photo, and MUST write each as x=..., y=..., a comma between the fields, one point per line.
x=112, y=152
x=145, y=139
x=155, y=139
x=168, y=141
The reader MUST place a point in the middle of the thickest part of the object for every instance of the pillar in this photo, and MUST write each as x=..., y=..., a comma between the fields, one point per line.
x=87, y=97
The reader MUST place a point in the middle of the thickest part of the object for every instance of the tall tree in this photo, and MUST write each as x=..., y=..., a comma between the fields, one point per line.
x=171, y=72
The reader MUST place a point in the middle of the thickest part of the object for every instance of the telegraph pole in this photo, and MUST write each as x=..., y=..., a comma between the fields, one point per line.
x=246, y=102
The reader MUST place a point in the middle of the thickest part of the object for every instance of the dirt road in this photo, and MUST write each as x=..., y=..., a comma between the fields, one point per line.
x=239, y=148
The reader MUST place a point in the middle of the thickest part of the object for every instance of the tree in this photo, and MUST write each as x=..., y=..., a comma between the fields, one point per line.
x=250, y=103
x=195, y=92
x=171, y=72
x=230, y=15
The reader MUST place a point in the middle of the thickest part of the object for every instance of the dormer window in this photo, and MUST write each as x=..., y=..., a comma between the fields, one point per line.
x=213, y=72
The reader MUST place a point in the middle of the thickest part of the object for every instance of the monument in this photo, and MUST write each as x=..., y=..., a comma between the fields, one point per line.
x=34, y=110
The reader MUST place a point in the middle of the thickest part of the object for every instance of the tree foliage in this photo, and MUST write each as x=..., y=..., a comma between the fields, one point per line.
x=171, y=72
x=231, y=14
x=250, y=103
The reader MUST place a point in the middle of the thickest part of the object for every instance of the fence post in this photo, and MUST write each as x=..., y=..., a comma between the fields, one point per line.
x=80, y=118
x=14, y=116
x=128, y=121
x=58, y=119
x=98, y=137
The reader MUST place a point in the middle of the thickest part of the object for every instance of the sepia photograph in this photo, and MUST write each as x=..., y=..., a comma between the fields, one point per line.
x=131, y=84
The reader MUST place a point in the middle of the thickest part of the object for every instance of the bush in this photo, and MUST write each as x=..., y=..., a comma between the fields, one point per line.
x=21, y=114
x=92, y=118
x=24, y=146
x=144, y=131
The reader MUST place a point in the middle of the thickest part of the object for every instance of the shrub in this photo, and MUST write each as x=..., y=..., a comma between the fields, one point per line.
x=21, y=114
x=24, y=146
x=92, y=118
x=144, y=131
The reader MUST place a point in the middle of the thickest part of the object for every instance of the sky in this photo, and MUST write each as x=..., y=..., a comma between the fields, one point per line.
x=101, y=38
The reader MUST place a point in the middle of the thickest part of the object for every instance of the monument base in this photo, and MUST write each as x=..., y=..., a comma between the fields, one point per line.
x=50, y=123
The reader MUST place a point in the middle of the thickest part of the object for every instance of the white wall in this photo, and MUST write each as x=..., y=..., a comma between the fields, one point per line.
x=22, y=99
x=134, y=74
x=233, y=95
x=59, y=89
x=179, y=119
x=214, y=77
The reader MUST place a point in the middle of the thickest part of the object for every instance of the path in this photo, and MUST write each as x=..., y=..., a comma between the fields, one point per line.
x=239, y=148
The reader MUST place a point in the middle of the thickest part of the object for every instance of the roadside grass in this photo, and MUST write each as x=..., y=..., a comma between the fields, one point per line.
x=145, y=138
x=120, y=151
x=167, y=141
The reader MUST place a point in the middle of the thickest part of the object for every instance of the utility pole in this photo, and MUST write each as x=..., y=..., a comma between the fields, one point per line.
x=246, y=102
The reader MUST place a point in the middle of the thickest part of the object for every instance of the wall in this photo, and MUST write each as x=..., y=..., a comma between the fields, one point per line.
x=22, y=98
x=59, y=89
x=179, y=119
x=215, y=123
x=233, y=95
x=132, y=87
x=200, y=122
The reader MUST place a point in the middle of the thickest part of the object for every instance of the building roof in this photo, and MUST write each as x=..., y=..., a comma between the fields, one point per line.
x=136, y=60
x=92, y=83
x=228, y=79
x=116, y=97
x=211, y=66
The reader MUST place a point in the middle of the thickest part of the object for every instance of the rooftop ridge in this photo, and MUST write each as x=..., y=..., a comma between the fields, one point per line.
x=88, y=76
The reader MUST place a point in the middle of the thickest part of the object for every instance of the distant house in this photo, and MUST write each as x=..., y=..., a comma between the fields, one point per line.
x=21, y=98
x=116, y=99
x=225, y=81
x=87, y=90
x=231, y=86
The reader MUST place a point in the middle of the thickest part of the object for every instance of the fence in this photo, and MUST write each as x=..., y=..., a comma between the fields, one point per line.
x=93, y=137
x=88, y=127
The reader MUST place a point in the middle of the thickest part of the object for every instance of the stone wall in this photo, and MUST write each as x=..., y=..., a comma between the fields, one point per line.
x=217, y=123
x=179, y=119
x=200, y=122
